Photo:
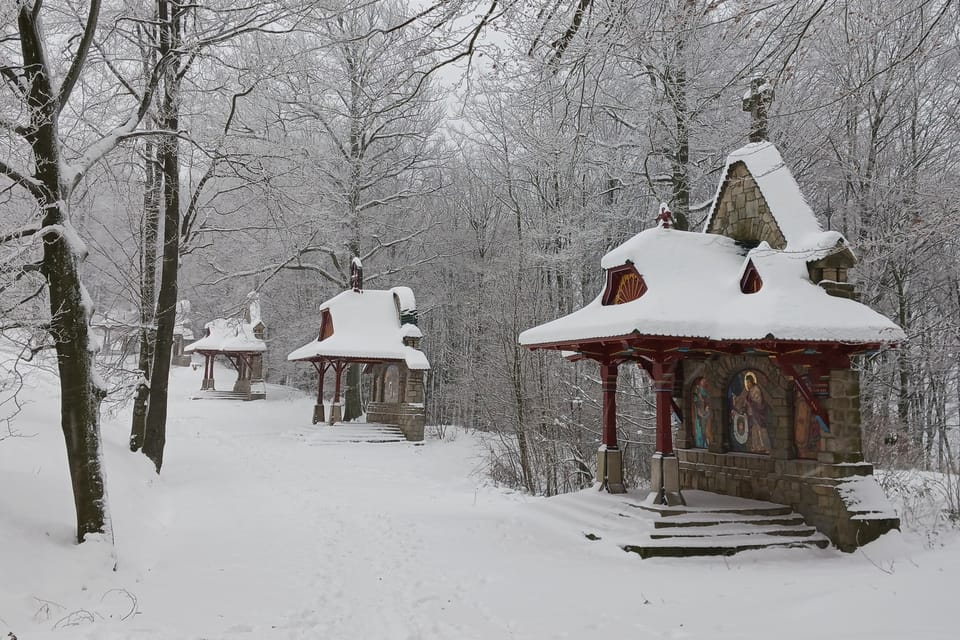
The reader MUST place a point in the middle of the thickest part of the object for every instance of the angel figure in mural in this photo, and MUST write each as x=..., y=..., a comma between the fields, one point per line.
x=701, y=414
x=750, y=409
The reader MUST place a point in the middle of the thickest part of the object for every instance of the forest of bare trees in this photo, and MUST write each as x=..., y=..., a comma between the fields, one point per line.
x=485, y=153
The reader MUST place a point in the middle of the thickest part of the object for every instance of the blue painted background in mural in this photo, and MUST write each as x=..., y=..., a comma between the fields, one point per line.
x=702, y=415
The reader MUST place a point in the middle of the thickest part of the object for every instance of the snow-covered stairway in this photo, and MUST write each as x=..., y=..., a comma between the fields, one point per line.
x=347, y=432
x=712, y=525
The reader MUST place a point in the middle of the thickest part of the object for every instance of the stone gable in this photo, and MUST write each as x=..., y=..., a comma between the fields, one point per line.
x=742, y=213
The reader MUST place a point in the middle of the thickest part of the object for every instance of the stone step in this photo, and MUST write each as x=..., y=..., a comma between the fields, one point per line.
x=219, y=395
x=723, y=547
x=712, y=524
x=353, y=433
x=664, y=511
x=722, y=530
x=713, y=519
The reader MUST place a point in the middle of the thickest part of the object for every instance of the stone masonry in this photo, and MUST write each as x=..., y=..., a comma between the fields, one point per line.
x=408, y=413
x=742, y=212
x=814, y=488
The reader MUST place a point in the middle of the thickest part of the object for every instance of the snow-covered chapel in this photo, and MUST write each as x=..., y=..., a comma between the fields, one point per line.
x=377, y=329
x=747, y=330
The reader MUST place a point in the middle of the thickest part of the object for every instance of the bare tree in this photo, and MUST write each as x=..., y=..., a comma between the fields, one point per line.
x=49, y=173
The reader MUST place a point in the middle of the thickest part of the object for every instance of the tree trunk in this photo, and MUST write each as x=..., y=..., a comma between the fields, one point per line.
x=676, y=89
x=353, y=408
x=155, y=429
x=148, y=277
x=70, y=307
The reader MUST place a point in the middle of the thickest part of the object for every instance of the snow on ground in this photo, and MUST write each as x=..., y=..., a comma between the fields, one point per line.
x=253, y=531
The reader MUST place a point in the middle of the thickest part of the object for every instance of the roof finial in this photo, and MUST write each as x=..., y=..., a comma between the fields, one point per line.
x=756, y=101
x=665, y=217
x=356, y=274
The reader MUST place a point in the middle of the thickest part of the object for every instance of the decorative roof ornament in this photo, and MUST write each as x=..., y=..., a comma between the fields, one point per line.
x=665, y=218
x=356, y=274
x=756, y=102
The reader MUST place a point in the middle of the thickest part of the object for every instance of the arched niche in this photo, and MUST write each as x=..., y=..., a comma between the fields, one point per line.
x=750, y=412
x=391, y=384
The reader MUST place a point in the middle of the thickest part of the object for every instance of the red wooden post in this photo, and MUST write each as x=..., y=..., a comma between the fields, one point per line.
x=321, y=371
x=663, y=386
x=338, y=368
x=608, y=375
x=210, y=384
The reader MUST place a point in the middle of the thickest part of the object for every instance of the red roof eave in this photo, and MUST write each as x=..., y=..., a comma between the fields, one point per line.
x=636, y=342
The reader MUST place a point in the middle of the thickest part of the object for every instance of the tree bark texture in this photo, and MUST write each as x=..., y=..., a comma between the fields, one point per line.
x=148, y=294
x=353, y=408
x=70, y=309
x=155, y=429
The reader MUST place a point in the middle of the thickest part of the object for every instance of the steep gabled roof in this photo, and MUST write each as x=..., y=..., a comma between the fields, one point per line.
x=693, y=290
x=367, y=326
x=231, y=335
x=780, y=192
x=228, y=335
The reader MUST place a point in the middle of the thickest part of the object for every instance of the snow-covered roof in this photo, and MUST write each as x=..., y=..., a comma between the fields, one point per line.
x=366, y=325
x=693, y=290
x=230, y=335
x=693, y=280
x=780, y=190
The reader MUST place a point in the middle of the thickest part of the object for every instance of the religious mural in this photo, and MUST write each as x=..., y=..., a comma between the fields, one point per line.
x=806, y=430
x=702, y=416
x=750, y=413
x=391, y=384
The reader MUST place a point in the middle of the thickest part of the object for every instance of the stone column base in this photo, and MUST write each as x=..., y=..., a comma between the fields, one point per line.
x=610, y=470
x=336, y=413
x=665, y=479
x=207, y=385
x=318, y=415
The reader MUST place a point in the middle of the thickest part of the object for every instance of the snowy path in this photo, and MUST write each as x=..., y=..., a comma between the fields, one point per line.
x=253, y=531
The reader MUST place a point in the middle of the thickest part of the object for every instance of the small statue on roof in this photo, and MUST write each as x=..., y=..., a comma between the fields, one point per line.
x=665, y=218
x=356, y=274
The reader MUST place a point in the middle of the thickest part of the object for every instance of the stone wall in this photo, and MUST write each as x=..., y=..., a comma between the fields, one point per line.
x=408, y=413
x=409, y=418
x=742, y=213
x=813, y=488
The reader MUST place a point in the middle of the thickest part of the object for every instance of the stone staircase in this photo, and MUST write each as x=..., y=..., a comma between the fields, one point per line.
x=219, y=395
x=719, y=525
x=347, y=432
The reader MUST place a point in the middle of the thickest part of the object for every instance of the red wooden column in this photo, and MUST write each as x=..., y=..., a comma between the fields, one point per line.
x=318, y=413
x=207, y=373
x=663, y=387
x=665, y=475
x=609, y=457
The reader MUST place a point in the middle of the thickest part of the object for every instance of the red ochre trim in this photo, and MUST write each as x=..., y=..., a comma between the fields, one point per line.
x=751, y=282
x=326, y=325
x=633, y=345
x=624, y=284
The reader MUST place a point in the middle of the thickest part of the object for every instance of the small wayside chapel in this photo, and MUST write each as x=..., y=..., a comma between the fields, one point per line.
x=377, y=329
x=747, y=330
x=242, y=341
